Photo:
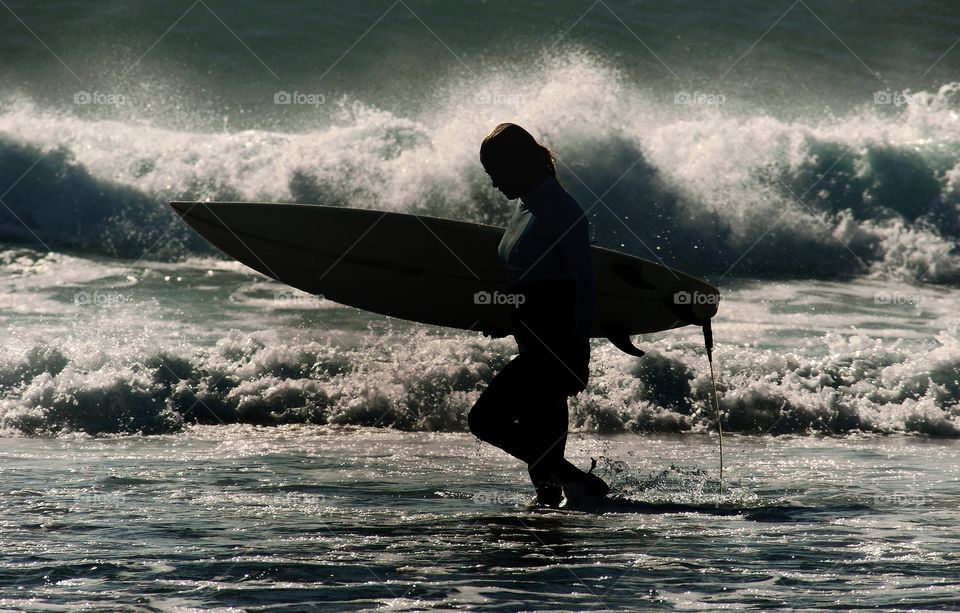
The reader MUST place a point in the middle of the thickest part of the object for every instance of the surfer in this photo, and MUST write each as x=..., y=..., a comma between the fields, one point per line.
x=546, y=252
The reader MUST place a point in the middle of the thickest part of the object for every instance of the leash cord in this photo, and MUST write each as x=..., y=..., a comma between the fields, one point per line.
x=708, y=341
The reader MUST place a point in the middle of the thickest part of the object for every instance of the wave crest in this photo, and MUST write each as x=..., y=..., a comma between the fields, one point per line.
x=711, y=190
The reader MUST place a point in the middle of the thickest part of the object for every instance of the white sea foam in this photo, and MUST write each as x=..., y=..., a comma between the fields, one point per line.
x=426, y=382
x=708, y=189
x=874, y=193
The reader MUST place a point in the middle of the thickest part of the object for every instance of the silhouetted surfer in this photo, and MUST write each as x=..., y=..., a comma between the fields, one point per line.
x=546, y=251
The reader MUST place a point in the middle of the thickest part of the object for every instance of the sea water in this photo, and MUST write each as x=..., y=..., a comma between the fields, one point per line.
x=180, y=432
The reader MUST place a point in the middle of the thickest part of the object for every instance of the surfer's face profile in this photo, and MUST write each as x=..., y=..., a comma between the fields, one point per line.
x=508, y=185
x=514, y=160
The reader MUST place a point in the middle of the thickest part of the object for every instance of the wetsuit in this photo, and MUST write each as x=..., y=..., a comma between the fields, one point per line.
x=546, y=251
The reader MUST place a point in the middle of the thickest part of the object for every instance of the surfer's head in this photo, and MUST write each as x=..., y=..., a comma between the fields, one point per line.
x=515, y=161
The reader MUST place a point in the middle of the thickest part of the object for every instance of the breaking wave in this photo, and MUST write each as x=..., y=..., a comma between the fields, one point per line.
x=428, y=382
x=708, y=190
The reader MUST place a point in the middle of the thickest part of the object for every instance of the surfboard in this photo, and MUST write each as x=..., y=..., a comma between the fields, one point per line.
x=431, y=270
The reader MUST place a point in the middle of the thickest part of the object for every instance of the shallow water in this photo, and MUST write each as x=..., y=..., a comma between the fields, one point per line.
x=283, y=518
x=804, y=158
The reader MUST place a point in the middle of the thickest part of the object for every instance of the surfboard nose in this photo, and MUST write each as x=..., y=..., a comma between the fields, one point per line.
x=695, y=308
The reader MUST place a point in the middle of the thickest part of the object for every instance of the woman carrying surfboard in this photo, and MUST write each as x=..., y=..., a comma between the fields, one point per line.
x=546, y=252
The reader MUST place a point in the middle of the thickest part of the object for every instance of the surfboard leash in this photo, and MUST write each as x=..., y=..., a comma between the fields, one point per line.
x=708, y=342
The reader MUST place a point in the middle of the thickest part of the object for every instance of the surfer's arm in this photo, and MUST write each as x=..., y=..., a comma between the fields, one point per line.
x=554, y=207
x=575, y=248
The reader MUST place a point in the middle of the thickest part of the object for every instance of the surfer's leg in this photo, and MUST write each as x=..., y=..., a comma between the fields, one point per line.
x=494, y=417
x=548, y=487
x=522, y=413
x=516, y=414
x=549, y=470
x=547, y=437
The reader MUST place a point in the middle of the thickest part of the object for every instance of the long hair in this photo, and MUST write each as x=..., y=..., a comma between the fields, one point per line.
x=510, y=146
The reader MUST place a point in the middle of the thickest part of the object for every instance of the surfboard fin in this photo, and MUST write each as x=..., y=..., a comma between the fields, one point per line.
x=623, y=343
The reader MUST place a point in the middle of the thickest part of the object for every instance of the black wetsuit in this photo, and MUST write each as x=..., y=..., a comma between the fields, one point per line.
x=546, y=251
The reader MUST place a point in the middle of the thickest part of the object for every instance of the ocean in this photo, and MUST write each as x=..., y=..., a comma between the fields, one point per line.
x=181, y=433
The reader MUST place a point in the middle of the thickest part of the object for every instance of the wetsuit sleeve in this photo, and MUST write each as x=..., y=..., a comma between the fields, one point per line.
x=569, y=224
x=575, y=247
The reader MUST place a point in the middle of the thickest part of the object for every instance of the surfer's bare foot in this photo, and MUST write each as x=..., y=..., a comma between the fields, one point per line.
x=571, y=476
x=595, y=485
x=583, y=492
x=551, y=501
x=585, y=487
x=549, y=492
x=548, y=495
x=579, y=486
